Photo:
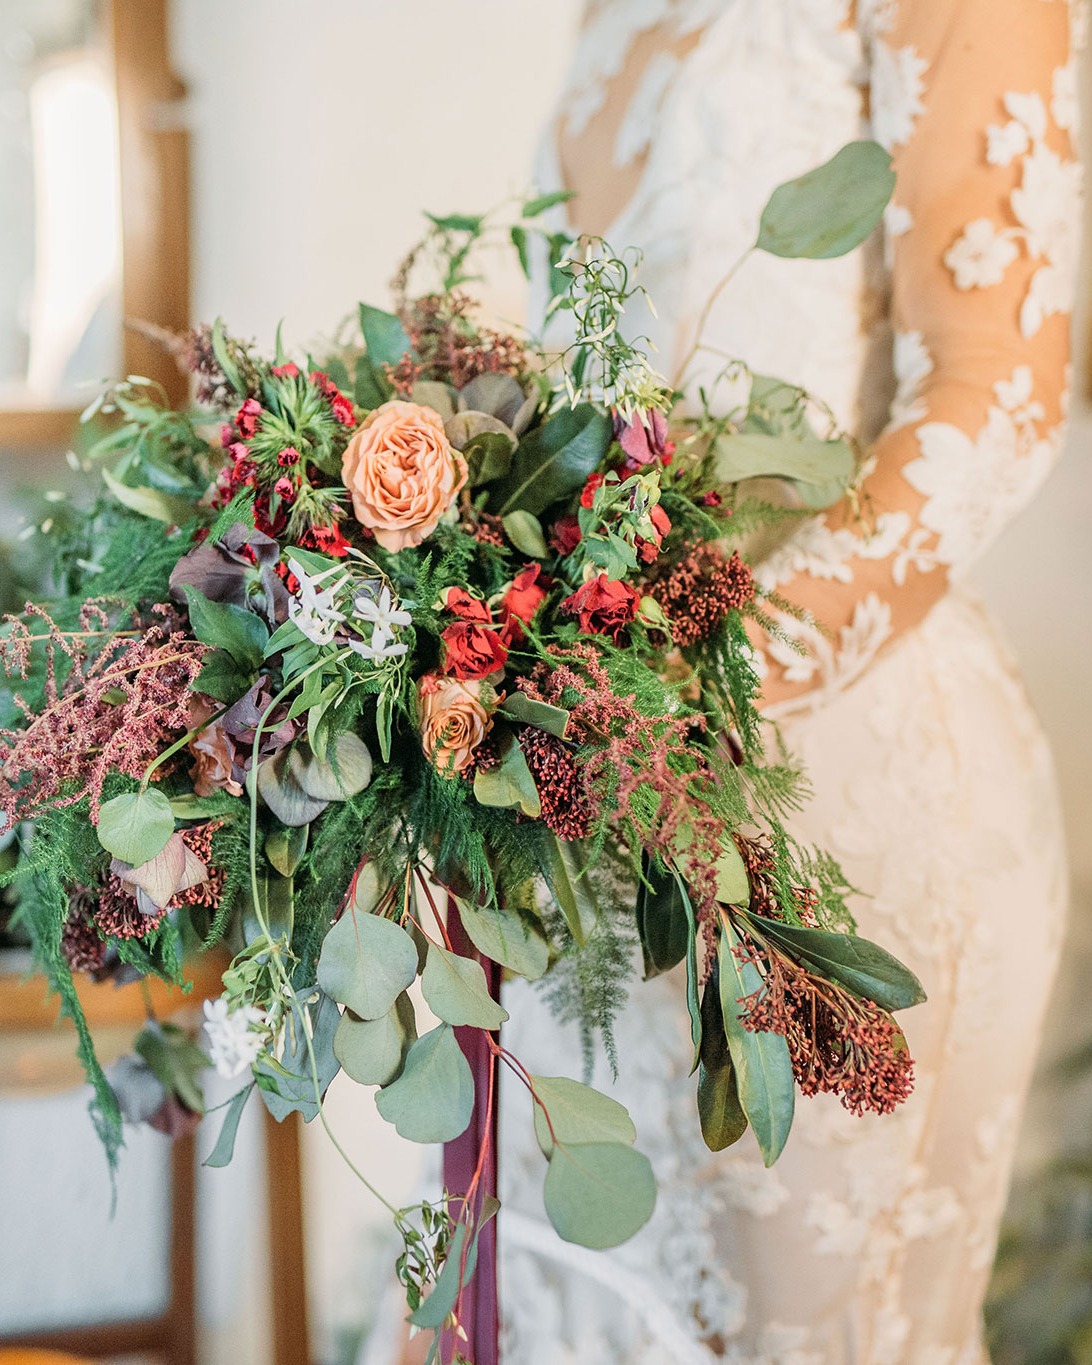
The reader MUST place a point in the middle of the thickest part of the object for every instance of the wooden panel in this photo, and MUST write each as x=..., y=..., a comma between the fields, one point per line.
x=287, y=1266
x=47, y=427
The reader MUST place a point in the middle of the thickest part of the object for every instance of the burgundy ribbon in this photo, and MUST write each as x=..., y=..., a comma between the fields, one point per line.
x=479, y=1311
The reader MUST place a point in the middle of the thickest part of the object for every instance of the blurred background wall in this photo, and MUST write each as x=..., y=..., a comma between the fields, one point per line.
x=319, y=133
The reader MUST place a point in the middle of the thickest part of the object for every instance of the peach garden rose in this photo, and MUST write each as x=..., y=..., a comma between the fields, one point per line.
x=402, y=473
x=454, y=719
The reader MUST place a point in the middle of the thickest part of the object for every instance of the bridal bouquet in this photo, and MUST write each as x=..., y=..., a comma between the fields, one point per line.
x=445, y=622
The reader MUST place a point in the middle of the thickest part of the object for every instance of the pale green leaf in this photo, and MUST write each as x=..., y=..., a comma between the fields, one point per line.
x=831, y=209
x=577, y=1113
x=366, y=963
x=508, y=784
x=136, y=825
x=599, y=1194
x=525, y=532
x=433, y=1099
x=372, y=1051
x=505, y=937
x=457, y=992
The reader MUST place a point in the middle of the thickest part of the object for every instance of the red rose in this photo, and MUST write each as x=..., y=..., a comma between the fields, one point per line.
x=604, y=606
x=566, y=535
x=587, y=497
x=246, y=419
x=644, y=439
x=466, y=608
x=522, y=600
x=472, y=650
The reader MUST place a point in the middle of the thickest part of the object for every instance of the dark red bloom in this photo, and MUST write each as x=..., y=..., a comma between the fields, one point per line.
x=343, y=409
x=473, y=650
x=288, y=370
x=699, y=591
x=246, y=419
x=465, y=607
x=644, y=439
x=712, y=498
x=523, y=599
x=587, y=497
x=561, y=784
x=288, y=457
x=566, y=535
x=604, y=606
x=649, y=549
x=285, y=489
x=327, y=539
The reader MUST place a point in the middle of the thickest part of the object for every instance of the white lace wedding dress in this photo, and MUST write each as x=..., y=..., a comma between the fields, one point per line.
x=871, y=1239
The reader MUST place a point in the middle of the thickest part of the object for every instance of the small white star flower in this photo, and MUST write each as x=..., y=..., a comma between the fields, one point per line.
x=236, y=1038
x=381, y=611
x=314, y=609
x=381, y=646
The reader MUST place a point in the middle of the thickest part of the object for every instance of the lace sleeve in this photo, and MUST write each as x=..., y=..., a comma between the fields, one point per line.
x=976, y=100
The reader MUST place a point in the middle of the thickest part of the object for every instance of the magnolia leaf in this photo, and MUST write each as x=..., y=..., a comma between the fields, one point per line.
x=508, y=784
x=856, y=963
x=554, y=460
x=720, y=1113
x=242, y=633
x=693, y=1003
x=136, y=825
x=457, y=992
x=488, y=457
x=553, y=719
x=764, y=1075
x=371, y=388
x=564, y=870
x=366, y=963
x=577, y=1113
x=174, y=868
x=285, y=848
x=525, y=533
x=433, y=1099
x=598, y=1194
x=505, y=937
x=283, y=794
x=289, y=1086
x=661, y=920
x=384, y=336
x=224, y=1150
x=733, y=884
x=831, y=209
x=174, y=509
x=342, y=774
x=372, y=1051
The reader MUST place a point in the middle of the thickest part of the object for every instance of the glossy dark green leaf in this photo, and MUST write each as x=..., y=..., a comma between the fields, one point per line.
x=554, y=460
x=221, y=678
x=854, y=962
x=384, y=336
x=564, y=869
x=764, y=1077
x=371, y=388
x=242, y=633
x=433, y=1099
x=224, y=1150
x=693, y=1003
x=720, y=1113
x=598, y=1194
x=662, y=924
x=831, y=209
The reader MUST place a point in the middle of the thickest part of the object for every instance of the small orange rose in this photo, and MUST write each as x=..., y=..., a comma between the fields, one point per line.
x=402, y=473
x=454, y=720
x=213, y=753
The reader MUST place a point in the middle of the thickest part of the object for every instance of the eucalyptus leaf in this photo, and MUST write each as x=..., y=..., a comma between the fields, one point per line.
x=821, y=470
x=384, y=336
x=136, y=825
x=341, y=774
x=854, y=962
x=598, y=1194
x=577, y=1113
x=456, y=990
x=373, y=1051
x=505, y=937
x=289, y=1087
x=525, y=533
x=224, y=1150
x=366, y=963
x=831, y=209
x=433, y=1099
x=175, y=1060
x=764, y=1077
x=283, y=795
x=285, y=848
x=554, y=460
x=431, y=393
x=508, y=784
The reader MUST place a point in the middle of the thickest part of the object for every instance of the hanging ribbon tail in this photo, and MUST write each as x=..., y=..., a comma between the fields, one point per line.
x=479, y=1308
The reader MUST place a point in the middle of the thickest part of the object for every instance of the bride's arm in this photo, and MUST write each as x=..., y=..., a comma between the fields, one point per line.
x=975, y=99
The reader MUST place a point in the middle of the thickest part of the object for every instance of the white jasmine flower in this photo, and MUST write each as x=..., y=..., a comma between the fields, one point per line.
x=382, y=645
x=235, y=1039
x=381, y=611
x=314, y=608
x=980, y=256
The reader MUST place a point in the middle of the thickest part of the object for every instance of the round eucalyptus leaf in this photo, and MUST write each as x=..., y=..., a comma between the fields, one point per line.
x=433, y=1099
x=366, y=963
x=831, y=209
x=456, y=990
x=578, y=1114
x=506, y=937
x=598, y=1194
x=372, y=1051
x=135, y=826
x=283, y=794
x=335, y=778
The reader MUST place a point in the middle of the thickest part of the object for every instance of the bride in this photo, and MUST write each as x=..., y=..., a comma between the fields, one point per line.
x=945, y=350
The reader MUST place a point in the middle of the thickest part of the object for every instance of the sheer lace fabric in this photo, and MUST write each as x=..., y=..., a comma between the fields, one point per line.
x=870, y=1241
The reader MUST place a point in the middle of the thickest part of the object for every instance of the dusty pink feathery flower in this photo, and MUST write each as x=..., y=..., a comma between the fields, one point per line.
x=112, y=712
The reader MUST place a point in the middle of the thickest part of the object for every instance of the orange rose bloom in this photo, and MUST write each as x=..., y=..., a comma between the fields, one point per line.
x=213, y=753
x=402, y=473
x=454, y=720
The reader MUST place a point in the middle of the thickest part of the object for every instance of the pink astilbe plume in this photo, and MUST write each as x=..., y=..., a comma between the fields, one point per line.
x=838, y=1043
x=112, y=712
x=647, y=767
